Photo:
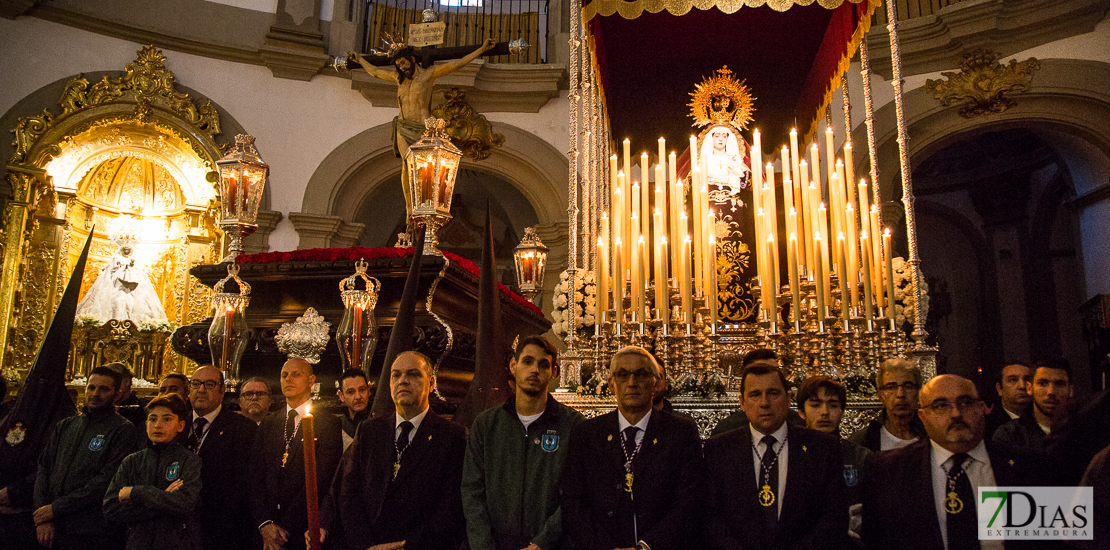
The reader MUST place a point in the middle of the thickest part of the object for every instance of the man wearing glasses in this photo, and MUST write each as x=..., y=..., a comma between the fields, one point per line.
x=221, y=438
x=632, y=477
x=255, y=400
x=924, y=495
x=898, y=382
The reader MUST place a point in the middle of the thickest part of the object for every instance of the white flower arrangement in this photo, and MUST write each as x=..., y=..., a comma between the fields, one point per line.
x=585, y=310
x=904, y=311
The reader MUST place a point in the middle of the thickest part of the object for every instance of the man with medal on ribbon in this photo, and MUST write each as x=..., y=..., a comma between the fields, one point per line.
x=923, y=496
x=398, y=484
x=632, y=478
x=278, y=502
x=773, y=484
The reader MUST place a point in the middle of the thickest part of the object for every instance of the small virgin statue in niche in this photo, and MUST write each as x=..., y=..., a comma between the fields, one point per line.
x=123, y=289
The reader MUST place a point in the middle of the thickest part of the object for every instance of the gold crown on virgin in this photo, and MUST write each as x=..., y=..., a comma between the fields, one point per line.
x=304, y=338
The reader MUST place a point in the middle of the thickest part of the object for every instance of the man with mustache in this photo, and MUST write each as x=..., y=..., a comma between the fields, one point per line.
x=923, y=496
x=1013, y=394
x=255, y=399
x=1051, y=389
x=633, y=476
x=510, y=485
x=398, y=483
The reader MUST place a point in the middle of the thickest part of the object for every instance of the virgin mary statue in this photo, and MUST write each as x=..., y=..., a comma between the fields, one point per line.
x=123, y=289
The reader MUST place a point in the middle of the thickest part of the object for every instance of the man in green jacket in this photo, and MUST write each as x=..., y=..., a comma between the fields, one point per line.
x=514, y=459
x=156, y=490
x=76, y=467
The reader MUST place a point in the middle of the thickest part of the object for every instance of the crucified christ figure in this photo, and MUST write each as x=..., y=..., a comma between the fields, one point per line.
x=414, y=94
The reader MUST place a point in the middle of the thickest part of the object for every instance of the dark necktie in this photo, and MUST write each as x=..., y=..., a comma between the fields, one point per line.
x=198, y=433
x=962, y=526
x=290, y=424
x=630, y=442
x=769, y=477
x=403, y=439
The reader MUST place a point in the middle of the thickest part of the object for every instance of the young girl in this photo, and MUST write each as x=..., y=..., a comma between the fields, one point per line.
x=156, y=490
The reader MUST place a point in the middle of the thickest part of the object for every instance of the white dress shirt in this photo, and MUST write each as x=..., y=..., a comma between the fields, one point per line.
x=208, y=426
x=979, y=473
x=623, y=423
x=416, y=420
x=781, y=449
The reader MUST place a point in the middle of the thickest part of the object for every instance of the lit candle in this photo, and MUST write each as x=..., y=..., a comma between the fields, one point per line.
x=853, y=259
x=889, y=251
x=770, y=292
x=850, y=169
x=641, y=283
x=634, y=268
x=678, y=206
x=662, y=290
x=699, y=236
x=687, y=296
x=772, y=211
x=830, y=153
x=795, y=287
x=876, y=253
x=845, y=301
x=618, y=281
x=864, y=245
x=602, y=277
x=618, y=220
x=711, y=296
x=815, y=166
x=757, y=161
x=658, y=261
x=225, y=359
x=787, y=187
x=662, y=153
x=813, y=201
x=356, y=351
x=826, y=280
x=795, y=168
x=626, y=214
x=312, y=500
x=627, y=150
x=819, y=285
x=645, y=198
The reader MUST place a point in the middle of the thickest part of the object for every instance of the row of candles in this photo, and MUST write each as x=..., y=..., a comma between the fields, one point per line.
x=856, y=255
x=683, y=249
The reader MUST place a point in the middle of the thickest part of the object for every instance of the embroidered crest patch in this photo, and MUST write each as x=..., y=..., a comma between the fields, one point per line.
x=173, y=471
x=551, y=442
x=96, y=443
x=851, y=476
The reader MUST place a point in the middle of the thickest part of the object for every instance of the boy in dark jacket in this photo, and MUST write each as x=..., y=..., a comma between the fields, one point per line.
x=156, y=490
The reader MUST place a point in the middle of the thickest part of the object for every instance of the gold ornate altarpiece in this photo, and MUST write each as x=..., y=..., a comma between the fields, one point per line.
x=131, y=145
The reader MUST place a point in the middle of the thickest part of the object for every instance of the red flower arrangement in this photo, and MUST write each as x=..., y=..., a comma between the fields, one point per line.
x=357, y=253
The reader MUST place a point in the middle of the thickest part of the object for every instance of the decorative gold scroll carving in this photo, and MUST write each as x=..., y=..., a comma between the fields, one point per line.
x=632, y=10
x=469, y=129
x=982, y=84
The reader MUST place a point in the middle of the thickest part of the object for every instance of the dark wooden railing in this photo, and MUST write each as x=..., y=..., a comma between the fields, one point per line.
x=468, y=22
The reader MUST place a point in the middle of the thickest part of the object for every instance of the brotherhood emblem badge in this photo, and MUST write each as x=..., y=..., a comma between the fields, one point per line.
x=96, y=443
x=173, y=471
x=851, y=476
x=551, y=442
x=16, y=434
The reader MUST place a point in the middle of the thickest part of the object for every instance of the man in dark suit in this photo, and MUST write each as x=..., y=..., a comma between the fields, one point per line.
x=775, y=485
x=220, y=437
x=400, y=478
x=923, y=496
x=632, y=476
x=1013, y=394
x=277, y=496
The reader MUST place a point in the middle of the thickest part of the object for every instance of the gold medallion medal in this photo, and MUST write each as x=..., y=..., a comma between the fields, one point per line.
x=766, y=497
x=628, y=482
x=284, y=458
x=953, y=504
x=396, y=468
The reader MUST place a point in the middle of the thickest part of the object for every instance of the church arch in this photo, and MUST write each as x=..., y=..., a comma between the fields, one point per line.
x=92, y=152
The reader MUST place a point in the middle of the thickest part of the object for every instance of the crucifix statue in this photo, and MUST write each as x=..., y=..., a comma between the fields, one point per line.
x=415, y=80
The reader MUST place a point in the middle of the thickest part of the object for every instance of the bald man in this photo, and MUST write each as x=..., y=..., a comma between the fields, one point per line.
x=220, y=437
x=398, y=485
x=277, y=496
x=922, y=496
